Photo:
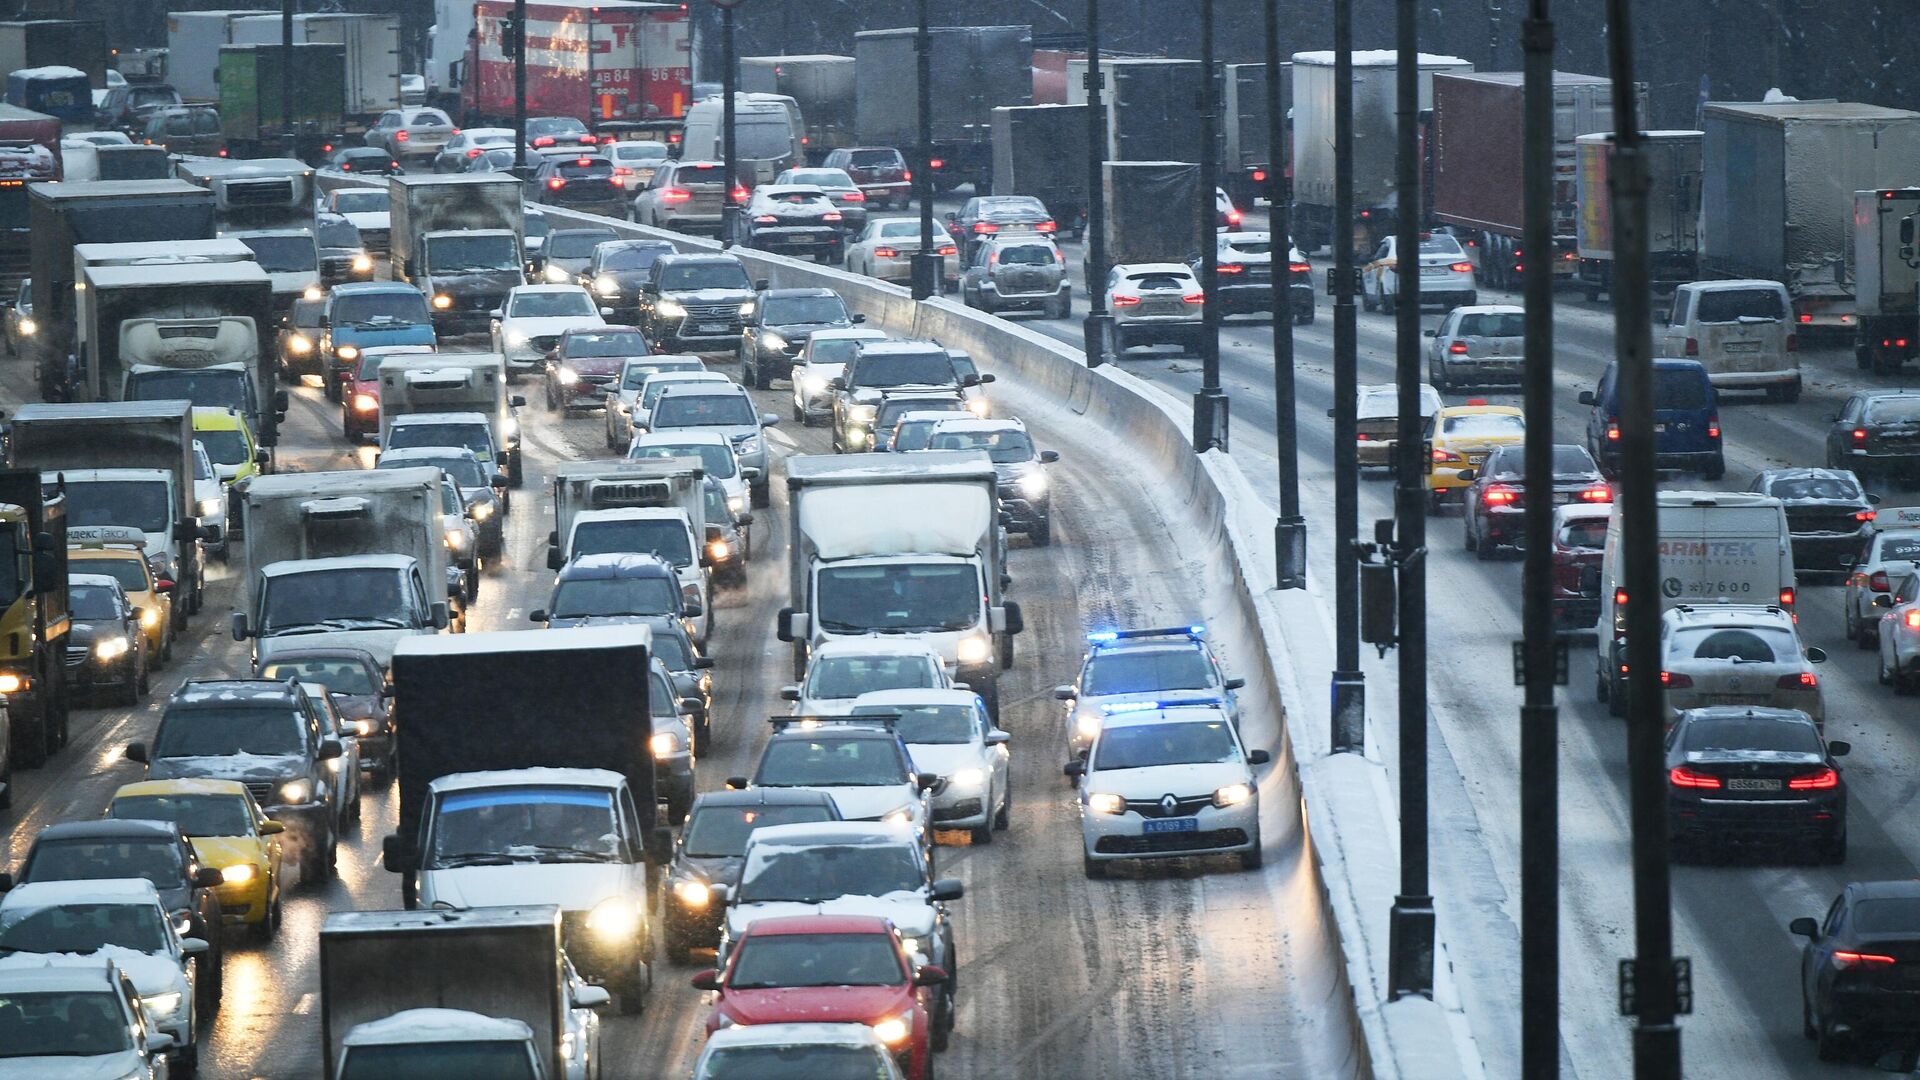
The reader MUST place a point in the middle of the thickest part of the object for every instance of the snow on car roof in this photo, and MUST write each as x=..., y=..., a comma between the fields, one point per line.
x=529, y=777
x=1378, y=58
x=950, y=422
x=809, y=834
x=1195, y=712
x=875, y=646
x=52, y=978
x=99, y=581
x=1139, y=269
x=613, y=636
x=437, y=1026
x=46, y=894
x=50, y=71
x=923, y=696
x=379, y=560
x=794, y=1035
x=341, y=482
x=408, y=419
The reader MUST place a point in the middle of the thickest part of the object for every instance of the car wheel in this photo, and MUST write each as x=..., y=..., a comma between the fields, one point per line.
x=632, y=990
x=1042, y=534
x=1828, y=1043
x=1437, y=375
x=1616, y=697
x=1253, y=859
x=129, y=695
x=1003, y=817
x=1093, y=869
x=1467, y=539
x=270, y=926
x=981, y=834
x=1852, y=625
x=762, y=496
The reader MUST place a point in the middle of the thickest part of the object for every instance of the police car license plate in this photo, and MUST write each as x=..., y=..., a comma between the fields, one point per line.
x=1170, y=825
x=1751, y=784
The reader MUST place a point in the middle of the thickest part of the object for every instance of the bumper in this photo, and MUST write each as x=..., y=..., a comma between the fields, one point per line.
x=1483, y=371
x=1875, y=1009
x=678, y=340
x=1448, y=478
x=1248, y=299
x=1575, y=613
x=93, y=673
x=1757, y=822
x=247, y=901
x=807, y=240
x=1753, y=380
x=1828, y=552
x=1215, y=831
x=1132, y=333
x=995, y=300
x=614, y=205
x=1690, y=461
x=1374, y=453
x=695, y=224
x=961, y=810
x=1863, y=461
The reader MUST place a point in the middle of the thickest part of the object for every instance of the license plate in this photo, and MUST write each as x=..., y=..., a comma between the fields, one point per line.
x=1166, y=825
x=1476, y=459
x=1750, y=784
x=710, y=328
x=1561, y=498
x=1657, y=428
x=1742, y=346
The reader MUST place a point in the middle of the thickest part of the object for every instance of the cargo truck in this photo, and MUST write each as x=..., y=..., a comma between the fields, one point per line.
x=594, y=60
x=822, y=86
x=457, y=238
x=976, y=69
x=57, y=90
x=30, y=152
x=1245, y=154
x=1777, y=194
x=125, y=465
x=354, y=559
x=1040, y=150
x=251, y=118
x=1375, y=124
x=136, y=162
x=1476, y=151
x=370, y=70
x=34, y=625
x=1140, y=226
x=71, y=43
x=922, y=532
x=1673, y=209
x=1886, y=275
x=454, y=383
x=194, y=41
x=1152, y=107
x=486, y=987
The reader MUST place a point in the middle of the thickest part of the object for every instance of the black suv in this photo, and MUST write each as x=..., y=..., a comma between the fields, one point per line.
x=616, y=271
x=696, y=303
x=782, y=320
x=582, y=182
x=710, y=850
x=265, y=734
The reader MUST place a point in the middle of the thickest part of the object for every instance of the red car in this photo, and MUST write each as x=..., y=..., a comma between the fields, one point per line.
x=360, y=391
x=827, y=969
x=584, y=365
x=1579, y=543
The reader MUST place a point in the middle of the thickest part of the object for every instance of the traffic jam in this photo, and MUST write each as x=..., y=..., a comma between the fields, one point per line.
x=461, y=622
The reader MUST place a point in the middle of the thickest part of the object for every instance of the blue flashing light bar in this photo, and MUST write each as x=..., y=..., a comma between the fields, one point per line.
x=1102, y=637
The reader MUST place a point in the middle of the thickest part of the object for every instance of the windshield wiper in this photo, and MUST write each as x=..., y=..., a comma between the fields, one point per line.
x=474, y=858
x=566, y=853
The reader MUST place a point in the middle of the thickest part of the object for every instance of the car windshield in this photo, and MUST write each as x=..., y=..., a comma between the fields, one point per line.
x=1680, y=388
x=476, y=437
x=829, y=871
x=373, y=308
x=1816, y=488
x=665, y=537
x=1483, y=426
x=591, y=598
x=500, y=1060
x=1143, y=746
x=850, y=762
x=213, y=389
x=851, y=676
x=950, y=725
x=892, y=409
x=1004, y=447
x=833, y=350
x=785, y=310
x=689, y=277
x=717, y=460
x=84, y=1023
x=187, y=731
x=282, y=254
x=197, y=815
x=576, y=243
x=763, y=136
x=916, y=597
x=337, y=233
x=360, y=201
x=1491, y=324
x=903, y=369
x=636, y=257
x=532, y=824
x=1146, y=671
x=83, y=928
x=639, y=151
x=1590, y=533
x=720, y=832
x=455, y=254
x=346, y=598
x=225, y=446
x=767, y=961
x=605, y=343
x=564, y=303
x=659, y=386
x=1733, y=305
x=130, y=573
x=93, y=602
x=634, y=376
x=1027, y=255
x=703, y=410
x=1440, y=244
x=137, y=504
x=338, y=674
x=1735, y=644
x=1894, y=410
x=464, y=469
x=1751, y=733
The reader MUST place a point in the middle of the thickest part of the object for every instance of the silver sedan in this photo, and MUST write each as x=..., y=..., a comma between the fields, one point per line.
x=885, y=250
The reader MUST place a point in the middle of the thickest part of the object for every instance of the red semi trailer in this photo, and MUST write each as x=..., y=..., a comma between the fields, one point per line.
x=595, y=60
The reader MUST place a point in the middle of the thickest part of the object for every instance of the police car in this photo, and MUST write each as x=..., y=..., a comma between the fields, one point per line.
x=1141, y=670
x=1894, y=550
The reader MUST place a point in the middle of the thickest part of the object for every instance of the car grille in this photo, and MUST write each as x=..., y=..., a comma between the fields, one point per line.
x=262, y=793
x=76, y=655
x=1161, y=843
x=965, y=808
x=714, y=315
x=1152, y=808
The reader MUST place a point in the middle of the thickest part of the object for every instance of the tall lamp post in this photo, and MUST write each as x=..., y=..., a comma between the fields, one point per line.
x=729, y=65
x=927, y=263
x=1098, y=328
x=518, y=34
x=1210, y=403
x=1349, y=682
x=1290, y=532
x=286, y=75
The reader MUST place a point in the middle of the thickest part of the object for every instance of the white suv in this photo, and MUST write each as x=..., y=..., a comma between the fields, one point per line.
x=1737, y=654
x=1156, y=304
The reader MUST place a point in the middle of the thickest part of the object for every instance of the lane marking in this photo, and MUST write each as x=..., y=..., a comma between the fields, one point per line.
x=781, y=439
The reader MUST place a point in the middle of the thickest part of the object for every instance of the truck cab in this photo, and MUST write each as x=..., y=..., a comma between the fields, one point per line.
x=457, y=238
x=364, y=601
x=209, y=362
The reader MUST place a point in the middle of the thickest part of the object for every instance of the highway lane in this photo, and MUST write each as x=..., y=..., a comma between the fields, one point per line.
x=1176, y=970
x=1730, y=918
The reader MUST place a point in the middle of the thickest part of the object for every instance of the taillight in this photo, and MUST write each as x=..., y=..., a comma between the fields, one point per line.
x=326, y=148
x=1713, y=427
x=1913, y=620
x=1045, y=226
x=739, y=193
x=854, y=196
x=1823, y=780
x=765, y=219
x=1844, y=959
x=1233, y=217
x=985, y=227
x=583, y=162
x=1301, y=268
x=401, y=135
x=1613, y=431
x=475, y=152
x=1125, y=301
x=622, y=170
x=1675, y=679
x=1259, y=176
x=1865, y=515
x=831, y=216
x=1500, y=496
x=1805, y=680
x=1693, y=347
x=1805, y=318
x=1230, y=268
x=906, y=174
x=936, y=163
x=1458, y=348
x=544, y=140
x=1194, y=298
x=1681, y=776
x=886, y=253
x=1599, y=493
x=555, y=183
x=1786, y=597
x=1619, y=598
x=1879, y=582
x=949, y=250
x=675, y=195
x=1859, y=436
x=1461, y=267
x=589, y=140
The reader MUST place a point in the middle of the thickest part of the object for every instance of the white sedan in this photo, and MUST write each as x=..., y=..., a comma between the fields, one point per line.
x=949, y=734
x=885, y=250
x=1894, y=550
x=1899, y=635
x=532, y=319
x=633, y=376
x=841, y=670
x=1446, y=275
x=823, y=359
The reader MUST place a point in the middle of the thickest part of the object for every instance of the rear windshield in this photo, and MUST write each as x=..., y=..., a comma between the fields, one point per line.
x=704, y=410
x=1483, y=426
x=599, y=168
x=1492, y=324
x=1752, y=733
x=1680, y=388
x=1440, y=245
x=1027, y=255
x=1735, y=644
x=1894, y=914
x=873, y=159
x=1834, y=488
x=1732, y=305
x=1591, y=535
x=1893, y=410
x=1145, y=282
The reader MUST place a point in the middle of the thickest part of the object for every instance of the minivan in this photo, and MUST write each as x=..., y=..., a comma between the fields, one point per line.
x=767, y=131
x=1686, y=420
x=1740, y=331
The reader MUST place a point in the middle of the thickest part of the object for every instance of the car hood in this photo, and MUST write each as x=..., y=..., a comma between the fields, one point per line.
x=908, y=910
x=484, y=281
x=86, y=633
x=548, y=324
x=595, y=365
x=226, y=851
x=393, y=333
x=709, y=296
x=375, y=220
x=150, y=974
x=379, y=642
x=243, y=767
x=815, y=1004
x=1185, y=781
x=569, y=263
x=573, y=886
x=724, y=869
x=93, y=1067
x=944, y=759
x=601, y=620
x=869, y=802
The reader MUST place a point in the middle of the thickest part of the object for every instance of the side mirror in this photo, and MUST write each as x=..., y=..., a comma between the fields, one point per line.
x=591, y=997
x=1805, y=927
x=706, y=980
x=1075, y=769
x=1873, y=500
x=163, y=585
x=1048, y=457
x=554, y=561
x=768, y=419
x=606, y=312
x=1816, y=655
x=790, y=693
x=138, y=611
x=838, y=382
x=858, y=318
x=272, y=828
x=437, y=613
x=137, y=751
x=691, y=704
x=537, y=615
x=930, y=975
x=1258, y=757
x=746, y=516
x=261, y=457
x=1839, y=748
x=1430, y=333
x=1016, y=622
x=1064, y=693
x=494, y=314
x=6, y=882
x=947, y=889
x=736, y=783
x=999, y=738
x=693, y=608
x=330, y=748
x=969, y=380
x=701, y=663
x=1236, y=683
x=720, y=891
x=158, y=1043
x=280, y=401
x=194, y=946
x=1586, y=397
x=926, y=781
x=211, y=533
x=206, y=877
x=748, y=472
x=396, y=854
x=1468, y=474
x=503, y=458
x=951, y=216
x=762, y=284
x=1881, y=601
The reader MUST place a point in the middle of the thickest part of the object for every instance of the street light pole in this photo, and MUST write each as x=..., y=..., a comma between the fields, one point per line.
x=286, y=74
x=729, y=65
x=1097, y=329
x=1290, y=531
x=927, y=264
x=1349, y=682
x=1210, y=404
x=519, y=88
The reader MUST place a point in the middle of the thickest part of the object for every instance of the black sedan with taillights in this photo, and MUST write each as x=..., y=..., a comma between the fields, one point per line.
x=1747, y=775
x=1877, y=434
x=1829, y=516
x=1494, y=507
x=1860, y=969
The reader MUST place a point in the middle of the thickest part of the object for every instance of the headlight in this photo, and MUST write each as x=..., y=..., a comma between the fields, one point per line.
x=975, y=649
x=148, y=618
x=894, y=1030
x=980, y=407
x=968, y=778
x=719, y=550
x=736, y=503
x=866, y=413
x=361, y=728
x=482, y=511
x=664, y=744
x=299, y=344
x=1101, y=802
x=747, y=446
x=347, y=352
x=456, y=539
x=515, y=337
x=362, y=264
x=441, y=301
x=365, y=403
x=1033, y=485
x=606, y=286
x=773, y=341
x=1087, y=724
x=312, y=292
x=691, y=893
x=746, y=309
x=295, y=791
x=615, y=918
x=856, y=437
x=159, y=1005
x=669, y=309
x=567, y=376
x=1233, y=795
x=555, y=274
x=110, y=648
x=814, y=384
x=901, y=816
x=11, y=683
x=238, y=874
x=29, y=327
x=209, y=507
x=510, y=427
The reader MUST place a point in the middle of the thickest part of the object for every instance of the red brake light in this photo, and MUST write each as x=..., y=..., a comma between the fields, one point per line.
x=401, y=135
x=1442, y=455
x=1619, y=597
x=1859, y=436
x=1458, y=348
x=1866, y=515
x=766, y=219
x=544, y=140
x=855, y=196
x=906, y=174
x=326, y=148
x=1675, y=679
x=1360, y=436
x=936, y=163
x=739, y=193
x=1230, y=268
x=475, y=152
x=886, y=253
x=1597, y=494
x=1806, y=680
x=622, y=170
x=1693, y=347
x=1259, y=176
x=831, y=216
x=675, y=195
x=1786, y=597
x=583, y=161
x=223, y=150
x=455, y=131
x=1301, y=268
x=1461, y=267
x=1805, y=318
x=1713, y=427
x=555, y=183
x=1823, y=780
x=1045, y=226
x=1500, y=496
x=985, y=227
x=1194, y=298
x=1125, y=301
x=951, y=250
x=393, y=164
x=1233, y=217
x=589, y=140
x=1849, y=959
x=1681, y=776
x=1879, y=582
x=1613, y=431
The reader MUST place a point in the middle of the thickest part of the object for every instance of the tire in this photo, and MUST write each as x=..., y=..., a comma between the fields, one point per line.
x=269, y=927
x=1042, y=534
x=938, y=1038
x=762, y=380
x=1716, y=470
x=1095, y=871
x=1827, y=1044
x=1790, y=393
x=1253, y=860
x=982, y=834
x=1003, y=817
x=1366, y=299
x=1389, y=304
x=1807, y=1030
x=1438, y=377
x=129, y=695
x=516, y=477
x=632, y=993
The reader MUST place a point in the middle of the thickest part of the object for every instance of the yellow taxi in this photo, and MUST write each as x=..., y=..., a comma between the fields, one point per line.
x=126, y=564
x=1459, y=438
x=229, y=442
x=228, y=831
